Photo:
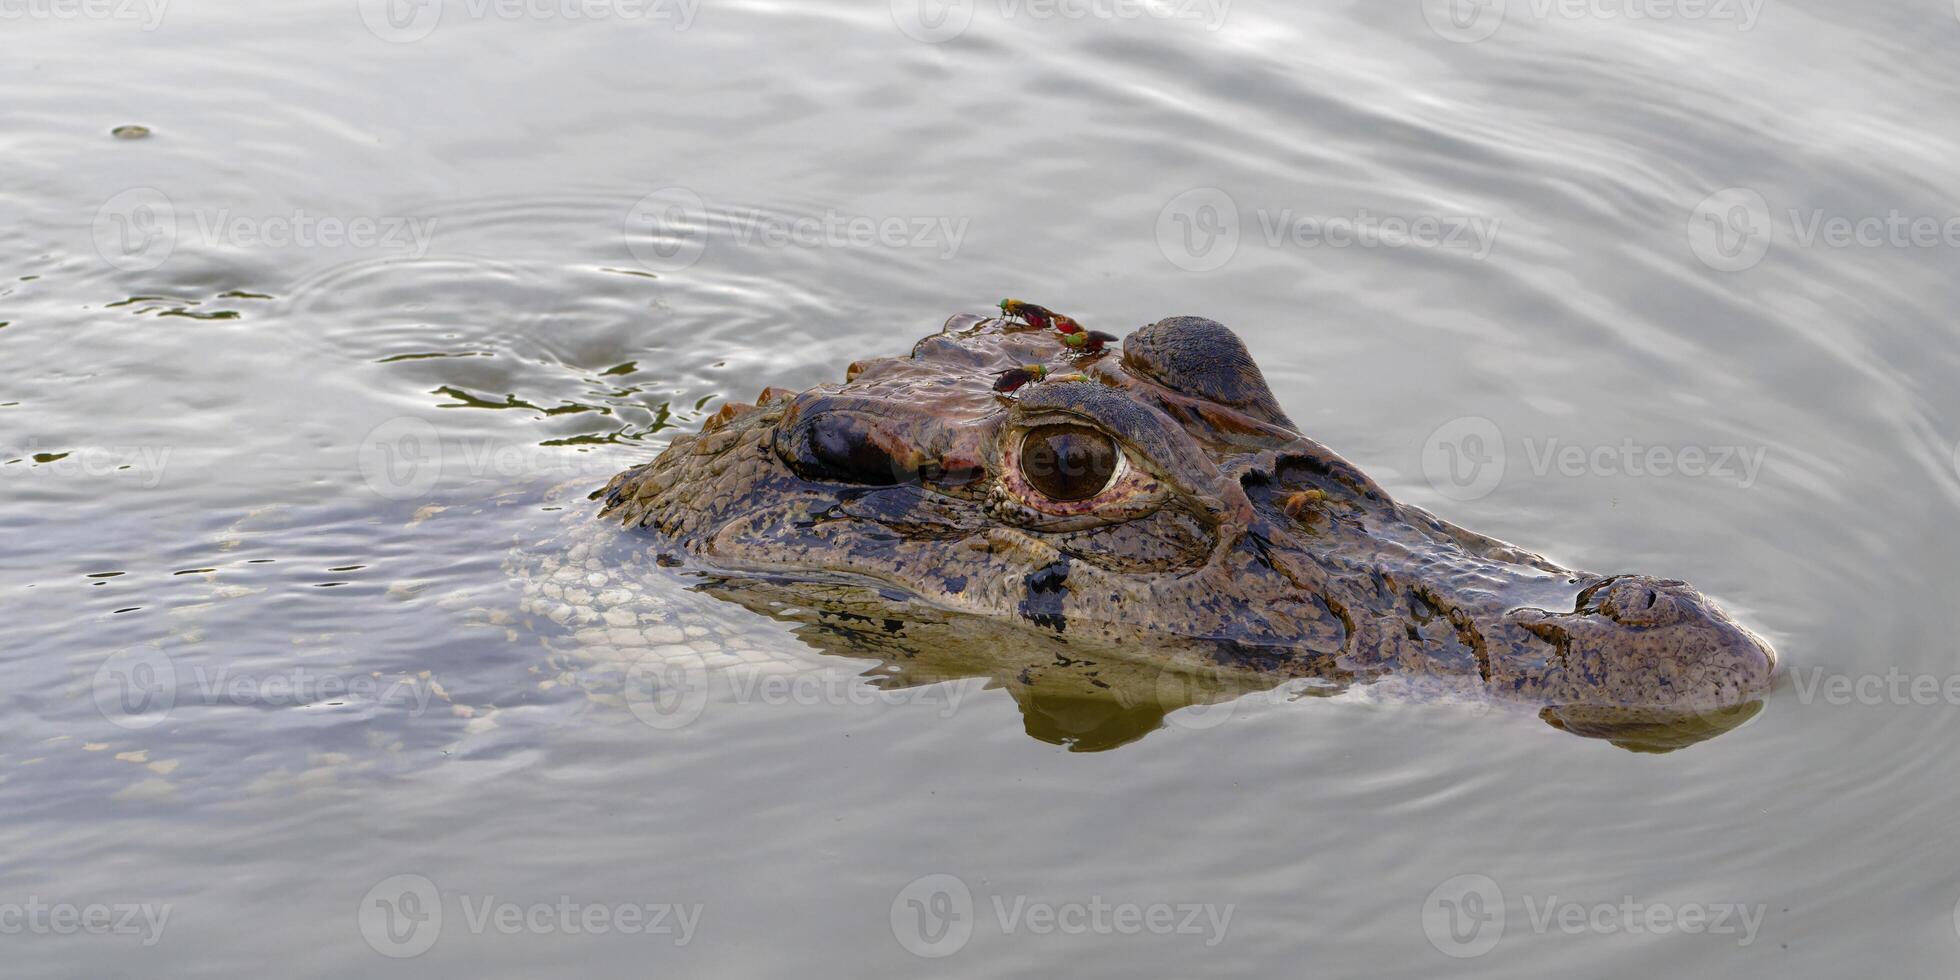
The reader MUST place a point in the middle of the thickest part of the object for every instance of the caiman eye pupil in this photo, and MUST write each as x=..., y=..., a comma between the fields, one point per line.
x=1067, y=462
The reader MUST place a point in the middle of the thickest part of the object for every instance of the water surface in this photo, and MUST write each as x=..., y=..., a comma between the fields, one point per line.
x=288, y=378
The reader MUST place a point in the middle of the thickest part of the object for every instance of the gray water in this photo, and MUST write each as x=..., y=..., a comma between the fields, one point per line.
x=1710, y=247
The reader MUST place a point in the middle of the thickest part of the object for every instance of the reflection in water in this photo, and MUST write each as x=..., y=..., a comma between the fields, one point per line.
x=1091, y=696
x=1085, y=695
x=1646, y=729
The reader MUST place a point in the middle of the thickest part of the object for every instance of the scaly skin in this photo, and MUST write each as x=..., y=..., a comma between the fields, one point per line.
x=1228, y=539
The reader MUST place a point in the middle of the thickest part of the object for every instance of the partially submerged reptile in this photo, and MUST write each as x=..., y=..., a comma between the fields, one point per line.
x=1114, y=514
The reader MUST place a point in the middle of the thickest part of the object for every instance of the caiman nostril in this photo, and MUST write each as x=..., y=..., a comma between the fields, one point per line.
x=1635, y=600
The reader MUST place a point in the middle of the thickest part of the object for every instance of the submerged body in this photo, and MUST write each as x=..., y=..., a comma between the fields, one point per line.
x=1156, y=505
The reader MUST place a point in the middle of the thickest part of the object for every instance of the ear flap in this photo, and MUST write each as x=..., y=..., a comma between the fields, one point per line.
x=1201, y=357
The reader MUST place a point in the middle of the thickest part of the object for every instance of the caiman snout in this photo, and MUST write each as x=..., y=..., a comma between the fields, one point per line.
x=874, y=442
x=1637, y=641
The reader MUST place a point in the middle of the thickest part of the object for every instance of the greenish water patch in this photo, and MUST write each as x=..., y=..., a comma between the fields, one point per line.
x=434, y=355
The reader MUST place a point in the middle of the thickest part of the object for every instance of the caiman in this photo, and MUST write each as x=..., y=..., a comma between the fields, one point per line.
x=1070, y=515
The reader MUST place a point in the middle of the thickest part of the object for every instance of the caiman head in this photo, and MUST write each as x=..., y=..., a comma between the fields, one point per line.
x=1157, y=500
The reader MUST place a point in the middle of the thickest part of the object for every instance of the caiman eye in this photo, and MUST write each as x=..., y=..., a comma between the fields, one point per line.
x=1066, y=463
